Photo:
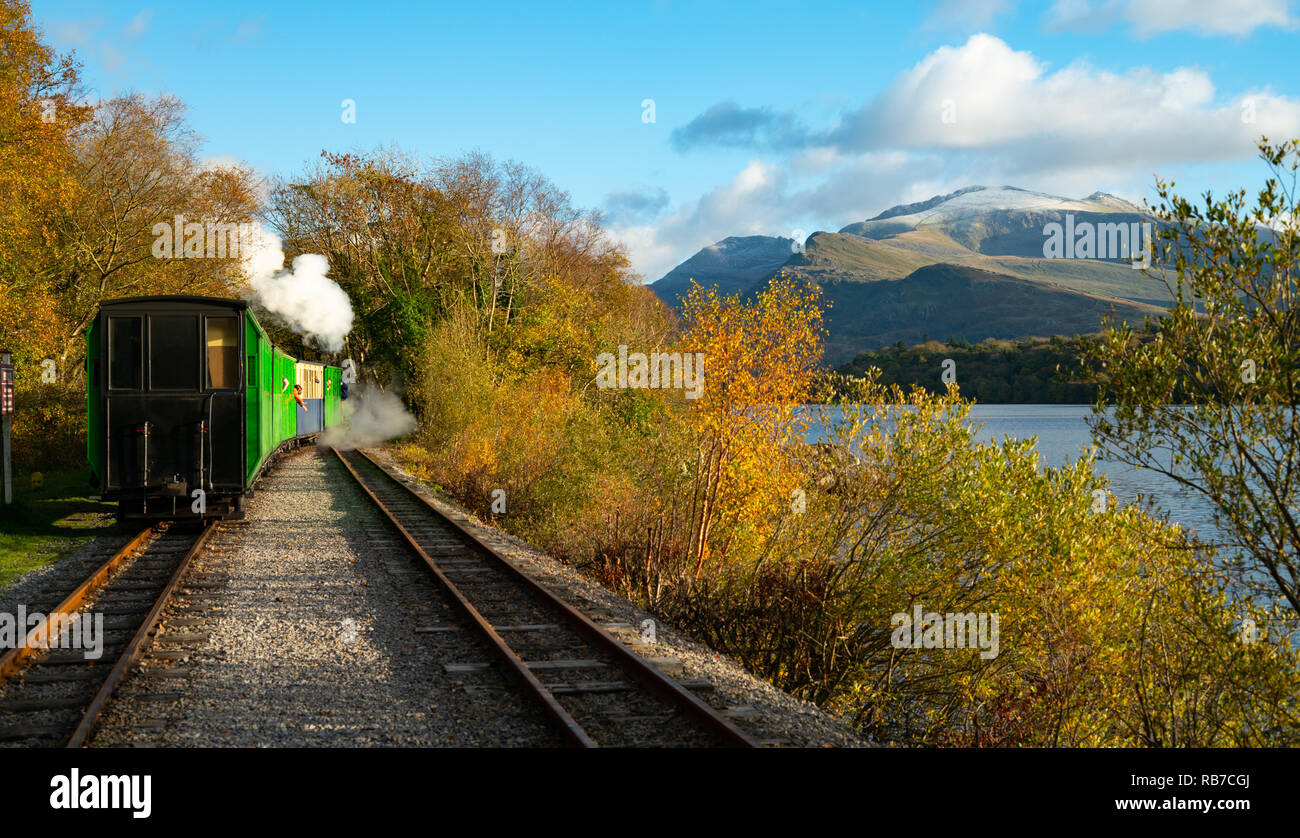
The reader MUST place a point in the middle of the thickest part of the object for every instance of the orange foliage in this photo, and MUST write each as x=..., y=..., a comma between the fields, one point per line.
x=759, y=368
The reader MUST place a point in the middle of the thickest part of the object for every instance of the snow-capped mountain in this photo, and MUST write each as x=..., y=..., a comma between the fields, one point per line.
x=967, y=264
x=982, y=199
x=1003, y=220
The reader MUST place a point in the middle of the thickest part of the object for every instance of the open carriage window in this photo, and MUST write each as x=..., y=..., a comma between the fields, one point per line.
x=223, y=353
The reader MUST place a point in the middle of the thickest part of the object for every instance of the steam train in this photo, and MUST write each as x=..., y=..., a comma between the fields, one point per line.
x=188, y=402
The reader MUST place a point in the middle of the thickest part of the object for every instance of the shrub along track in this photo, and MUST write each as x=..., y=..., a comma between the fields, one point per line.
x=592, y=687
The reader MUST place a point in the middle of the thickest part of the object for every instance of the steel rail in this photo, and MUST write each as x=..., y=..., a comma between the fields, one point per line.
x=635, y=666
x=569, y=726
x=14, y=659
x=137, y=643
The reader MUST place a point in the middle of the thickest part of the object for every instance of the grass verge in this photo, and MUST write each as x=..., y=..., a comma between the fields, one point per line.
x=45, y=524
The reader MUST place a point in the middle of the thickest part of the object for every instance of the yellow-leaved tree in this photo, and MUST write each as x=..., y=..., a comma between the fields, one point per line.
x=758, y=362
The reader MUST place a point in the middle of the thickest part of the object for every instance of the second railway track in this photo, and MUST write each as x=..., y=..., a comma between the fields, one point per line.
x=596, y=690
x=52, y=694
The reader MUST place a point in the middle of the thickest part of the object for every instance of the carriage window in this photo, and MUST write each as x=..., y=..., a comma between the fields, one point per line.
x=223, y=352
x=174, y=353
x=124, y=353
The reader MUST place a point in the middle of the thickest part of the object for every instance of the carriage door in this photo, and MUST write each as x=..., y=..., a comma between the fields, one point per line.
x=224, y=452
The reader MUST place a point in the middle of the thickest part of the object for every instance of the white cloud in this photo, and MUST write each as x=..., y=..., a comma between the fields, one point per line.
x=762, y=199
x=755, y=177
x=1221, y=17
x=140, y=24
x=1069, y=131
x=864, y=184
x=814, y=160
x=77, y=31
x=985, y=98
x=1153, y=17
x=754, y=202
x=966, y=14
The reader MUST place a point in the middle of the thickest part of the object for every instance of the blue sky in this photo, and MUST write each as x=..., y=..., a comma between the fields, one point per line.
x=768, y=118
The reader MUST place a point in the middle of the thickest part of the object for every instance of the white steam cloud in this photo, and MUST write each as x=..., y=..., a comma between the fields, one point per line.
x=302, y=296
x=370, y=416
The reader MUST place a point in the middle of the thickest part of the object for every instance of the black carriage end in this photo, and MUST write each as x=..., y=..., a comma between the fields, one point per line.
x=188, y=403
x=168, y=376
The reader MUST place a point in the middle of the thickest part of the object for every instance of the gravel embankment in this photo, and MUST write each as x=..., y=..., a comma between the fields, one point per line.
x=317, y=634
x=756, y=706
x=309, y=624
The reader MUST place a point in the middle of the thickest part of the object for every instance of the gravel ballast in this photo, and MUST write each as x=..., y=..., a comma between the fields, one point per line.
x=311, y=624
x=760, y=709
x=313, y=640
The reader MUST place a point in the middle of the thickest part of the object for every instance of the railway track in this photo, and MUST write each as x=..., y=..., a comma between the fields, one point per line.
x=52, y=694
x=594, y=689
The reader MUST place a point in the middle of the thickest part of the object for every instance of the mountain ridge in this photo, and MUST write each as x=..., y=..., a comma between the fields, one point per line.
x=992, y=238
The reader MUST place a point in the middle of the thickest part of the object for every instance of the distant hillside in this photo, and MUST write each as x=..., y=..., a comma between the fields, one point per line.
x=969, y=264
x=954, y=301
x=831, y=257
x=733, y=265
x=1029, y=371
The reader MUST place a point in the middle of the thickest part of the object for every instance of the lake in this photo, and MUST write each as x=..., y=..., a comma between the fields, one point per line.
x=1062, y=434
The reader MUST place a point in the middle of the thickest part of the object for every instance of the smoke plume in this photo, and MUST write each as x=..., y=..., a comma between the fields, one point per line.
x=302, y=296
x=370, y=416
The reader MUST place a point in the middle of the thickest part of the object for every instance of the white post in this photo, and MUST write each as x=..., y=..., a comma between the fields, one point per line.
x=4, y=430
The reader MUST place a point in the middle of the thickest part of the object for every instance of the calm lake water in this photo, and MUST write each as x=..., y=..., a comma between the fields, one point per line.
x=1062, y=434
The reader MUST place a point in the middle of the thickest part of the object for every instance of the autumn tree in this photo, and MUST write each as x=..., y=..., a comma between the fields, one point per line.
x=88, y=192
x=142, y=187
x=40, y=114
x=758, y=363
x=1229, y=348
x=412, y=241
x=1111, y=628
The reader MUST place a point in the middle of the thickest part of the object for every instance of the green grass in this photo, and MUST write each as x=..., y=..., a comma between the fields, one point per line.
x=44, y=525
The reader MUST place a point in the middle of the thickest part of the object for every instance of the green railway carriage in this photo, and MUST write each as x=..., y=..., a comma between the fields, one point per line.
x=333, y=406
x=188, y=393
